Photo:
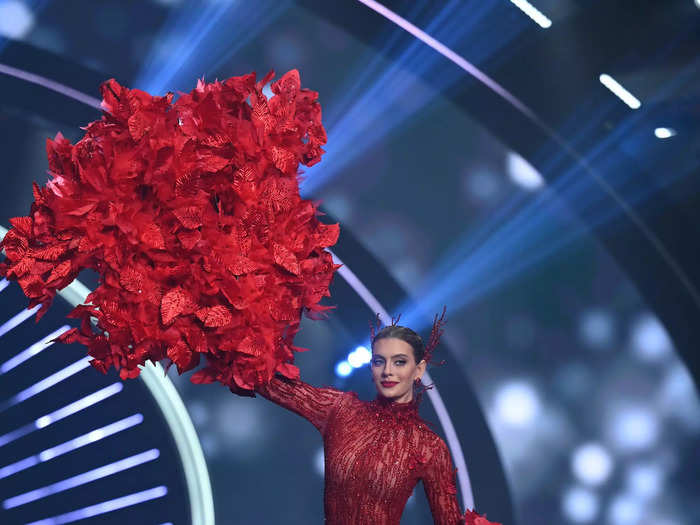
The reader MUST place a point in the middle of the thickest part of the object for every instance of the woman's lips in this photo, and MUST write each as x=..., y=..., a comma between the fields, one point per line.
x=389, y=384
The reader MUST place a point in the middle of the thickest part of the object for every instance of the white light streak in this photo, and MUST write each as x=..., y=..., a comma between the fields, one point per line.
x=81, y=479
x=624, y=95
x=68, y=446
x=4, y=283
x=17, y=320
x=105, y=507
x=46, y=383
x=62, y=413
x=31, y=351
x=535, y=14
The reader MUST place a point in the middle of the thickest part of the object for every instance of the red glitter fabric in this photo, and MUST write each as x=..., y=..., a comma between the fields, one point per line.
x=375, y=454
x=190, y=212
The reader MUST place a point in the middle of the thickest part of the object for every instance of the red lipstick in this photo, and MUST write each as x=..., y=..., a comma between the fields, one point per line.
x=389, y=384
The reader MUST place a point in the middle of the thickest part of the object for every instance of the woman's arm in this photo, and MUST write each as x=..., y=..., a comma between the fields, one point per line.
x=441, y=491
x=312, y=403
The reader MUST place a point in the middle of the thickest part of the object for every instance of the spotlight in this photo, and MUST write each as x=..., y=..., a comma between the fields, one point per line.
x=343, y=369
x=621, y=93
x=591, y=463
x=665, y=133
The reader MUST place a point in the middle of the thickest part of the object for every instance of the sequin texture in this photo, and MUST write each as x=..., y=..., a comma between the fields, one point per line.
x=375, y=454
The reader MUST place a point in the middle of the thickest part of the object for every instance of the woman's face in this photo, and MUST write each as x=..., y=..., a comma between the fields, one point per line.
x=394, y=369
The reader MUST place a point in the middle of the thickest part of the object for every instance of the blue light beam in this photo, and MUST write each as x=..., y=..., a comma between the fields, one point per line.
x=199, y=37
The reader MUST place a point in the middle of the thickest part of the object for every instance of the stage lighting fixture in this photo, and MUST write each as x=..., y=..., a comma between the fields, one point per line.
x=535, y=14
x=619, y=91
x=665, y=133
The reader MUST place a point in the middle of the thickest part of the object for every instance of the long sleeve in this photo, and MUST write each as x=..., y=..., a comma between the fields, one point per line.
x=312, y=403
x=441, y=491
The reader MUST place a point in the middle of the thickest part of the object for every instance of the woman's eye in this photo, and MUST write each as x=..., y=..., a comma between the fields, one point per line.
x=376, y=362
x=400, y=362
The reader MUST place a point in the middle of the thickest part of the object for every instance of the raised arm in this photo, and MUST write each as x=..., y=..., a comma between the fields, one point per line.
x=312, y=403
x=441, y=491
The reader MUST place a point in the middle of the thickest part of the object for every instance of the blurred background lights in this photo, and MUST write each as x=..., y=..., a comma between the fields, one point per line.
x=633, y=428
x=516, y=403
x=591, y=463
x=664, y=133
x=649, y=339
x=16, y=20
x=644, y=479
x=343, y=369
x=597, y=328
x=522, y=173
x=625, y=510
x=580, y=505
x=319, y=462
x=359, y=357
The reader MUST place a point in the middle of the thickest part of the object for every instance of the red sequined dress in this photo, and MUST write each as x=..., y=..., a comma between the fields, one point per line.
x=375, y=454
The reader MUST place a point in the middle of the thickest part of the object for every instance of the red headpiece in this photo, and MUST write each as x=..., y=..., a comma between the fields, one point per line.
x=435, y=333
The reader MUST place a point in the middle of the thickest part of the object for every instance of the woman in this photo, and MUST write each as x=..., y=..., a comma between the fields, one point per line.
x=377, y=451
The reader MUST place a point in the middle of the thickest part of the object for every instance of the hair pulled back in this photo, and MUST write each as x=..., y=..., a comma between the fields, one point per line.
x=405, y=334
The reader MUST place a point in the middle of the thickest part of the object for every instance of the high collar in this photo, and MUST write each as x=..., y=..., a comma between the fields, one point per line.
x=388, y=405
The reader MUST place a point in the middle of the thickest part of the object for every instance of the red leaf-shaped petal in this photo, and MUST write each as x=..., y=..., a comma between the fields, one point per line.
x=176, y=302
x=190, y=216
x=286, y=259
x=215, y=316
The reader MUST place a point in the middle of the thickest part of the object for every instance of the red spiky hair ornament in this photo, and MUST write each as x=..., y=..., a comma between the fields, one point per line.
x=435, y=334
